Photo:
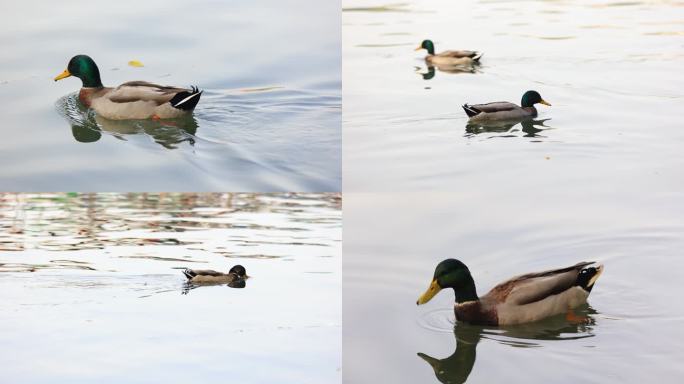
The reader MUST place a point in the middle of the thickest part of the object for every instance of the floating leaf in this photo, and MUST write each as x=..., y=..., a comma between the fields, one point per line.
x=135, y=63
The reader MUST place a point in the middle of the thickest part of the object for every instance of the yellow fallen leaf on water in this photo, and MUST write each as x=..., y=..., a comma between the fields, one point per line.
x=548, y=157
x=135, y=63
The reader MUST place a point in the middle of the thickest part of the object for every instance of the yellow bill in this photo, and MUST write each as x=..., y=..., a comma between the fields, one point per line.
x=63, y=75
x=419, y=48
x=545, y=102
x=430, y=293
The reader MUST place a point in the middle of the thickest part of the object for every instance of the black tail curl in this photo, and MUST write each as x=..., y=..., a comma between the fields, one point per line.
x=189, y=273
x=185, y=100
x=470, y=111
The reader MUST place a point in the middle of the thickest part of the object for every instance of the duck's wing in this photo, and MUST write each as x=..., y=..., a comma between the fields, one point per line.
x=190, y=273
x=499, y=106
x=459, y=54
x=134, y=91
x=143, y=91
x=537, y=286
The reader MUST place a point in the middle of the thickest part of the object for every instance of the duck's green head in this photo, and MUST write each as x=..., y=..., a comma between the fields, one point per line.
x=530, y=98
x=427, y=44
x=83, y=67
x=451, y=273
x=239, y=271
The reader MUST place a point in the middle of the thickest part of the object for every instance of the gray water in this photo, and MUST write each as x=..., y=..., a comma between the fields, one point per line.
x=92, y=289
x=611, y=70
x=269, y=118
x=601, y=180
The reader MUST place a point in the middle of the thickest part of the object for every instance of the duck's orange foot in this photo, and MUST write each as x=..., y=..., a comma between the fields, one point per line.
x=571, y=317
x=166, y=122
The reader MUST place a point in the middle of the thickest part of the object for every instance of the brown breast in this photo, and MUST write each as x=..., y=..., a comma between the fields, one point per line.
x=474, y=312
x=87, y=95
x=84, y=96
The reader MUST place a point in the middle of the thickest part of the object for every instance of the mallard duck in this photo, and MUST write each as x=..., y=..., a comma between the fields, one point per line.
x=503, y=110
x=522, y=299
x=448, y=58
x=207, y=276
x=131, y=100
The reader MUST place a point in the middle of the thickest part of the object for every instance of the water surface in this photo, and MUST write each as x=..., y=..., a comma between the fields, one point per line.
x=269, y=118
x=611, y=71
x=633, y=333
x=92, y=288
x=597, y=177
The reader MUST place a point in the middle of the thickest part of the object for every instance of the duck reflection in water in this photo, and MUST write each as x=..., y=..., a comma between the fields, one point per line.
x=87, y=126
x=456, y=368
x=530, y=128
x=453, y=69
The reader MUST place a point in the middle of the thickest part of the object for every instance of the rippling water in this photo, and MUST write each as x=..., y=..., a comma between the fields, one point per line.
x=93, y=290
x=269, y=118
x=598, y=178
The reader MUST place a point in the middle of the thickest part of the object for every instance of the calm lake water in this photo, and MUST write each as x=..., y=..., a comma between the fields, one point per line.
x=611, y=70
x=602, y=181
x=269, y=118
x=92, y=289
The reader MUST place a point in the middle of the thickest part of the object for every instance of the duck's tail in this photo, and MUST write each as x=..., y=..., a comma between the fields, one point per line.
x=588, y=276
x=189, y=273
x=186, y=100
x=470, y=110
x=478, y=56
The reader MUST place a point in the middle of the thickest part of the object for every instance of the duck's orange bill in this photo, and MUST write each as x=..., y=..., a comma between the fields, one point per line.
x=545, y=102
x=430, y=293
x=419, y=48
x=63, y=75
